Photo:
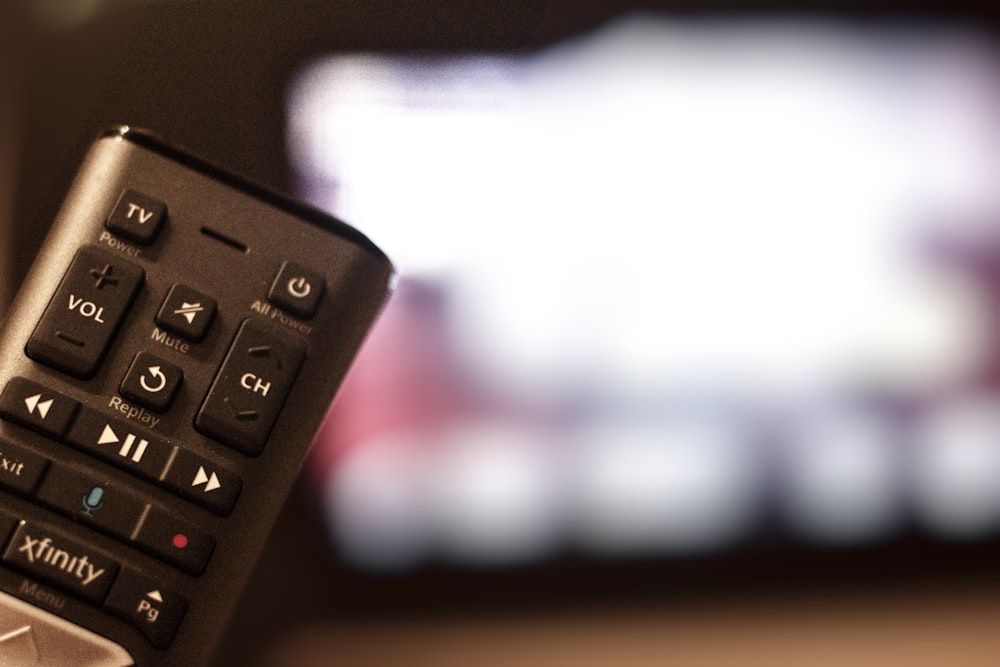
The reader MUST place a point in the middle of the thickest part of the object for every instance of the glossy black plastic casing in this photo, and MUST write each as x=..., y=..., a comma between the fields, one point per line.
x=228, y=238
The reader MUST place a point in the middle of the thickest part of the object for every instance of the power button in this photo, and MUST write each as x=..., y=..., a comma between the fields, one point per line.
x=297, y=289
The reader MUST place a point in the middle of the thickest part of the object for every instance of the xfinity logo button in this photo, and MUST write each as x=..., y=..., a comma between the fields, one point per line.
x=61, y=561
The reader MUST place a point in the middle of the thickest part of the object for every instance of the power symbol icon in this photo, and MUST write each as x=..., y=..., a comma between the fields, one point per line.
x=299, y=287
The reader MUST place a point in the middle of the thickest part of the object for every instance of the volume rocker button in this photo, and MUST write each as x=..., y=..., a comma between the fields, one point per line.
x=83, y=316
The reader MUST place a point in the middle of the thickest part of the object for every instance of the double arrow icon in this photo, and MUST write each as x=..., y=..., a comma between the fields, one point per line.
x=36, y=403
x=211, y=482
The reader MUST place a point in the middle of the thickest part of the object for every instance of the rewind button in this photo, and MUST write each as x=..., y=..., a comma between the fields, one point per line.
x=37, y=407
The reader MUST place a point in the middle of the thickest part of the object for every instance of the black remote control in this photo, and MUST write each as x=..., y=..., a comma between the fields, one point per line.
x=163, y=371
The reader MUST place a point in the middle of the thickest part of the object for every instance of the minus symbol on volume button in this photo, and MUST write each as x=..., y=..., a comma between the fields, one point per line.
x=70, y=339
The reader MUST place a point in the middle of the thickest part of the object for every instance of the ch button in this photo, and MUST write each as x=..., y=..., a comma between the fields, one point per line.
x=250, y=388
x=297, y=289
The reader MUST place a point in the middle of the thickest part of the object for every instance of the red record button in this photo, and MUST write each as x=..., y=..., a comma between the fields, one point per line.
x=176, y=541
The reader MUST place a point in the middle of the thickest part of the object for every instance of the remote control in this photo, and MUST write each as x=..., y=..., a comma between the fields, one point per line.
x=163, y=370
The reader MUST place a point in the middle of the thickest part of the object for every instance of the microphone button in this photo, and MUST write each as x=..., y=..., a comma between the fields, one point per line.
x=93, y=500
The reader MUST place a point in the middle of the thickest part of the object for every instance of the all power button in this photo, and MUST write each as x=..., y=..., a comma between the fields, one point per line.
x=297, y=289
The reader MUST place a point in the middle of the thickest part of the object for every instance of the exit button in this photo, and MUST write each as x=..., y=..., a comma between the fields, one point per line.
x=297, y=289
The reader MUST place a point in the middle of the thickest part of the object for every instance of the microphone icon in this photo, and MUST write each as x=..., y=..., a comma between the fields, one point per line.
x=92, y=501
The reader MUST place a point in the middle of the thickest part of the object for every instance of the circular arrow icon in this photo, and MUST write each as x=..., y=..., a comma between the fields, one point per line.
x=159, y=378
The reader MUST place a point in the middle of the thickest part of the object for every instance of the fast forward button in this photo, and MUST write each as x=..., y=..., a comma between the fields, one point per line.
x=211, y=482
x=203, y=482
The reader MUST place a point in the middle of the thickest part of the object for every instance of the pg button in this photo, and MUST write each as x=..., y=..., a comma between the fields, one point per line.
x=250, y=388
x=297, y=289
x=146, y=604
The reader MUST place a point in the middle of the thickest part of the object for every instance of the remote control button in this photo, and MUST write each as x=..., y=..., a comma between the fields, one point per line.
x=250, y=388
x=198, y=480
x=20, y=468
x=7, y=525
x=145, y=603
x=137, y=217
x=187, y=312
x=297, y=289
x=31, y=637
x=61, y=561
x=152, y=382
x=82, y=318
x=120, y=444
x=175, y=541
x=37, y=407
x=92, y=500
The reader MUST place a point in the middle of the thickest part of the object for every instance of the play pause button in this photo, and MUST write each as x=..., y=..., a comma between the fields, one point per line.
x=120, y=444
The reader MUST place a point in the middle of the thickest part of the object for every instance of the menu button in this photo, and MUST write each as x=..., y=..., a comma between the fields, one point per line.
x=62, y=561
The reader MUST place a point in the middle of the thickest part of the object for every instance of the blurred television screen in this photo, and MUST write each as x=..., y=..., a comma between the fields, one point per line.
x=671, y=289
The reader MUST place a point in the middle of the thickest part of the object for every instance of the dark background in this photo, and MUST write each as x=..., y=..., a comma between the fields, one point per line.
x=211, y=76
